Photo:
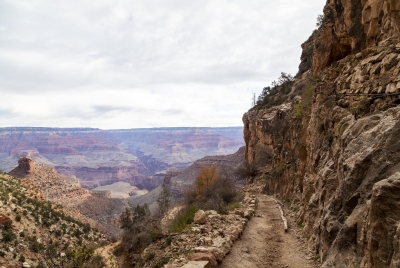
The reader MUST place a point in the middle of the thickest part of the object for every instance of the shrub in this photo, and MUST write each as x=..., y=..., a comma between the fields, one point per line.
x=18, y=218
x=214, y=190
x=321, y=127
x=277, y=93
x=233, y=206
x=306, y=100
x=183, y=218
x=8, y=236
x=161, y=262
x=279, y=169
x=21, y=258
x=7, y=225
x=329, y=138
x=206, y=179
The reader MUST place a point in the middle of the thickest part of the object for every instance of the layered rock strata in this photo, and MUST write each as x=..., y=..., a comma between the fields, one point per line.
x=103, y=157
x=99, y=211
x=348, y=27
x=334, y=151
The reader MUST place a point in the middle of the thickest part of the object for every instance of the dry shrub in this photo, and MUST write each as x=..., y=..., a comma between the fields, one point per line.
x=214, y=190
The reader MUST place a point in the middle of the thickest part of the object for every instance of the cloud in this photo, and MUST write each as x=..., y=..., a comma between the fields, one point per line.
x=144, y=63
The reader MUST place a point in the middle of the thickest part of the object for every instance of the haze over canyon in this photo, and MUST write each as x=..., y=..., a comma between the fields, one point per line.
x=103, y=157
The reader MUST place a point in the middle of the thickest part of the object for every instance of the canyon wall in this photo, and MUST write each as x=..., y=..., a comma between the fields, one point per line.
x=103, y=157
x=333, y=153
x=348, y=27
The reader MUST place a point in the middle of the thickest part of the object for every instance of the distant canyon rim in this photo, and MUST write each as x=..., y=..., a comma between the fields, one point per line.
x=98, y=158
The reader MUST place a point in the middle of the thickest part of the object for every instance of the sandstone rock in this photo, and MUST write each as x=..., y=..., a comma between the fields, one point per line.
x=390, y=61
x=200, y=217
x=376, y=69
x=381, y=232
x=26, y=265
x=391, y=88
x=197, y=264
x=396, y=248
x=204, y=257
x=374, y=59
x=376, y=21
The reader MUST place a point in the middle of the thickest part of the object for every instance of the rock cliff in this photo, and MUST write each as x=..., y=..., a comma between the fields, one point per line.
x=348, y=27
x=334, y=152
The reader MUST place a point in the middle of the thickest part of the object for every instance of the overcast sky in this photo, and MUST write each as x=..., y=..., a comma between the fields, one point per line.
x=149, y=63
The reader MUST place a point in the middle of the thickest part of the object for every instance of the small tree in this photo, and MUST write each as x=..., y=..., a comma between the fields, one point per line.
x=320, y=20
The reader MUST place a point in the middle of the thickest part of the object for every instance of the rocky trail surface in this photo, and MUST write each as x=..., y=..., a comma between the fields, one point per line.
x=265, y=244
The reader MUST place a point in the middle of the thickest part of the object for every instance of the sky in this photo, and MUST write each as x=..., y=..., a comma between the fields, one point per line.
x=114, y=64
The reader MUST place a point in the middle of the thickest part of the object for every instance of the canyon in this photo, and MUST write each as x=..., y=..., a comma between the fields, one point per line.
x=103, y=157
x=326, y=144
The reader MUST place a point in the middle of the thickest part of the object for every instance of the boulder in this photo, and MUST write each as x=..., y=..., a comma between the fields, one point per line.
x=204, y=257
x=200, y=217
x=197, y=264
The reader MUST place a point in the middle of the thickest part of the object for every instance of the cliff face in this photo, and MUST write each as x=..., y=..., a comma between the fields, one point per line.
x=348, y=27
x=334, y=152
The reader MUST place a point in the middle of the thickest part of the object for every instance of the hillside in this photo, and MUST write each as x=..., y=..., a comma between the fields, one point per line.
x=92, y=208
x=35, y=231
x=330, y=148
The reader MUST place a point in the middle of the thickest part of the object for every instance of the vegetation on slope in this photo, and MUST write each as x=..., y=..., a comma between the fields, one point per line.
x=39, y=233
x=275, y=94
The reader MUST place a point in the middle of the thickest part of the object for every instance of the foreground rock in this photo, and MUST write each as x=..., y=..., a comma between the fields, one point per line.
x=205, y=243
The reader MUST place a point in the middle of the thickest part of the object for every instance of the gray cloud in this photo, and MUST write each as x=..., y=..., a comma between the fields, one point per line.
x=148, y=48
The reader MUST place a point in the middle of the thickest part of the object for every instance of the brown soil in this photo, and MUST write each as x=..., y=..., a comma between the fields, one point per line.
x=265, y=244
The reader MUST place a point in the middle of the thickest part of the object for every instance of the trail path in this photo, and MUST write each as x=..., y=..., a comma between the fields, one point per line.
x=265, y=244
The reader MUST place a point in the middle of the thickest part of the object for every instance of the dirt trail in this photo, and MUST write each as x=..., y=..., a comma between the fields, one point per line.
x=265, y=244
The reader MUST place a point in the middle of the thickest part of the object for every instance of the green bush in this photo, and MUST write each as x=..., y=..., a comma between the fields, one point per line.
x=306, y=100
x=233, y=206
x=18, y=218
x=160, y=263
x=184, y=218
x=21, y=258
x=277, y=93
x=8, y=236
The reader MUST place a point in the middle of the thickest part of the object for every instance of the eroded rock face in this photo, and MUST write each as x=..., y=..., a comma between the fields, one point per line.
x=350, y=26
x=338, y=159
x=99, y=211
